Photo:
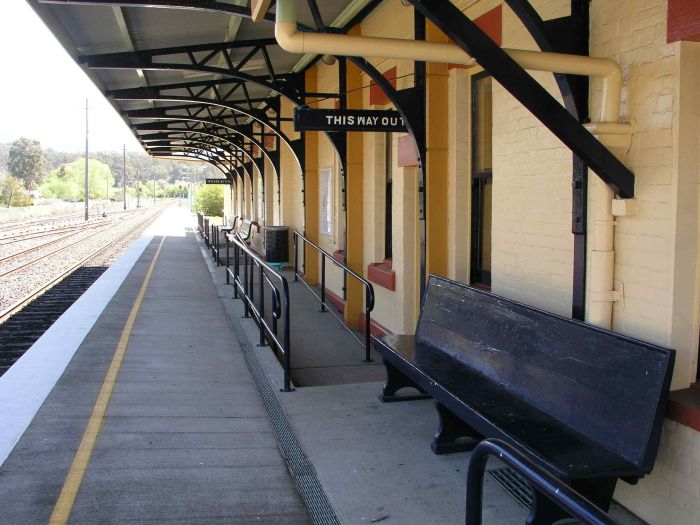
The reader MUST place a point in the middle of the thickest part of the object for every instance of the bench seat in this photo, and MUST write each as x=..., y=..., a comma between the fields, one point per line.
x=492, y=412
x=585, y=404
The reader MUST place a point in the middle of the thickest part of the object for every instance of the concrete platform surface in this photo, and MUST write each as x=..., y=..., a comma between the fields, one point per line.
x=185, y=438
x=373, y=459
x=196, y=429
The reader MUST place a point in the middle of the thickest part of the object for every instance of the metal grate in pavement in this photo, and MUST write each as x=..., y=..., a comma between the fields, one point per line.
x=514, y=484
x=301, y=469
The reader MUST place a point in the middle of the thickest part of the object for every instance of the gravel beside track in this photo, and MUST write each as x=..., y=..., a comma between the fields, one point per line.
x=26, y=276
x=20, y=330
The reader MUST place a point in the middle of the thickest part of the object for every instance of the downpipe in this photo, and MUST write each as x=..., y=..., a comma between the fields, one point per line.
x=602, y=263
x=294, y=41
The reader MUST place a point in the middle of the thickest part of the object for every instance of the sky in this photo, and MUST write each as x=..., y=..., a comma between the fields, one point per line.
x=43, y=92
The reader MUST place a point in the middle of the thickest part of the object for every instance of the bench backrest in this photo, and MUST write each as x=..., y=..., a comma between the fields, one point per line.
x=606, y=386
x=245, y=229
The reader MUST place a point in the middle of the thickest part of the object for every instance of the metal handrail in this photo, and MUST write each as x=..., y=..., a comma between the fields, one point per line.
x=280, y=300
x=369, y=289
x=540, y=480
x=200, y=223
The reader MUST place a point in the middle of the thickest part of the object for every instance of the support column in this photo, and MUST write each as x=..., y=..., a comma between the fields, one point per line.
x=437, y=150
x=270, y=193
x=354, y=304
x=311, y=275
x=459, y=180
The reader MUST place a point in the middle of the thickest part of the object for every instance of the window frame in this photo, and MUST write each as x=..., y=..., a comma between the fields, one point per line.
x=479, y=179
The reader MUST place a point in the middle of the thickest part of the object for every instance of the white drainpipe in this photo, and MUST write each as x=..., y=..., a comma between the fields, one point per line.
x=602, y=264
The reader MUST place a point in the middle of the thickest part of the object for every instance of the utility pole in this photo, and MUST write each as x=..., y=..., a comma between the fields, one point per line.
x=124, y=177
x=138, y=187
x=86, y=160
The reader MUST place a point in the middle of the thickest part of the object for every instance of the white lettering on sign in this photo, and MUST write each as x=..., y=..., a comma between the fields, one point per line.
x=360, y=120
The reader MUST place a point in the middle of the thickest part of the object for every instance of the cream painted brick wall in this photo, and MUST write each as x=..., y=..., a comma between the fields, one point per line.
x=374, y=197
x=291, y=209
x=671, y=494
x=532, y=244
x=634, y=34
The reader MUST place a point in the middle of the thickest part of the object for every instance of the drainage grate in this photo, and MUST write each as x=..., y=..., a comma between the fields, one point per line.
x=301, y=469
x=514, y=484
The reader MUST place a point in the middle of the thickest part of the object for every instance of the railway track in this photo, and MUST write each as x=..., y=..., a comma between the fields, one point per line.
x=16, y=230
x=100, y=229
x=43, y=245
x=5, y=241
x=23, y=322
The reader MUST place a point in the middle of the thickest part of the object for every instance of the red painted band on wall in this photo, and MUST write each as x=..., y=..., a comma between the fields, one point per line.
x=683, y=21
x=376, y=94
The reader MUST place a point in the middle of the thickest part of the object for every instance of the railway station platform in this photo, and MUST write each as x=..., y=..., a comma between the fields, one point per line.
x=149, y=401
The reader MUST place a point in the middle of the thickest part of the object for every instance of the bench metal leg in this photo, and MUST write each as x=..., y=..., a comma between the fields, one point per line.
x=598, y=491
x=395, y=381
x=450, y=434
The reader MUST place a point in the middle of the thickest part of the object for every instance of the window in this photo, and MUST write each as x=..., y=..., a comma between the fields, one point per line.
x=325, y=204
x=482, y=181
x=388, y=168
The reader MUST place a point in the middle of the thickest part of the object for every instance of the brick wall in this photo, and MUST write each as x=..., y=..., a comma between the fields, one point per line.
x=634, y=34
x=671, y=494
x=532, y=243
x=291, y=209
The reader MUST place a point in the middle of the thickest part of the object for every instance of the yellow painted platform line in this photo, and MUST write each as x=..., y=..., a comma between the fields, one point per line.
x=66, y=499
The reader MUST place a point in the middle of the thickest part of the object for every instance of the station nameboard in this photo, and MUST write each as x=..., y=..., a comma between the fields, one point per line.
x=218, y=181
x=308, y=119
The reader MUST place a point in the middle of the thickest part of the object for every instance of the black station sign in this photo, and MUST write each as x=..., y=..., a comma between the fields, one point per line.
x=218, y=181
x=308, y=119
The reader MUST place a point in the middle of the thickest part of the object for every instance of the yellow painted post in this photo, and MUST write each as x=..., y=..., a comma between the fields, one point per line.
x=437, y=149
x=311, y=275
x=354, y=303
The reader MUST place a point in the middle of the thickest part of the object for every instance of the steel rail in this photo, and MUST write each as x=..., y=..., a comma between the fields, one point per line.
x=49, y=243
x=34, y=235
x=59, y=219
x=15, y=307
x=13, y=225
x=59, y=250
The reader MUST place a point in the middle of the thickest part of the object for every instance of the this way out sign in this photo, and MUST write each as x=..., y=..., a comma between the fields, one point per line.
x=308, y=119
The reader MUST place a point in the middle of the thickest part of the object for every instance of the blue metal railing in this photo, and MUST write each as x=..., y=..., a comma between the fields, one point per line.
x=540, y=480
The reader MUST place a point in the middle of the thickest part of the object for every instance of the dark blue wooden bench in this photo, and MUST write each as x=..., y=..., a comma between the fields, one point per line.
x=586, y=404
x=246, y=229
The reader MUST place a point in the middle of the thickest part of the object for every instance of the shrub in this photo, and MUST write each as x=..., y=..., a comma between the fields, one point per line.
x=210, y=200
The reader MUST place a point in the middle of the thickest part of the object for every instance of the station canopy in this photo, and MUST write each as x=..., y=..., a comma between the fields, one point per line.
x=195, y=78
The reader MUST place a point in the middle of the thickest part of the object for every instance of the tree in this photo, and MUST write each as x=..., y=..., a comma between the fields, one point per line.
x=68, y=181
x=26, y=162
x=12, y=192
x=210, y=200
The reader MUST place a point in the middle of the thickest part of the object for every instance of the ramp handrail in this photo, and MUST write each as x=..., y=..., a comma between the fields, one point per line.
x=369, y=290
x=279, y=290
x=547, y=484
